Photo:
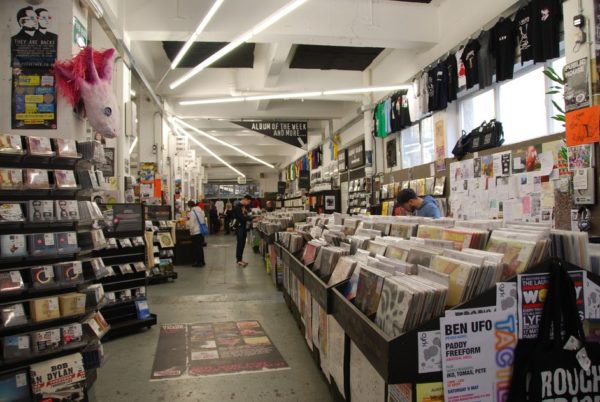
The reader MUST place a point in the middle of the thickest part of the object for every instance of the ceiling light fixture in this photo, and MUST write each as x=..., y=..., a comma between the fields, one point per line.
x=183, y=51
x=182, y=131
x=213, y=101
x=261, y=26
x=284, y=96
x=241, y=151
x=295, y=95
x=365, y=90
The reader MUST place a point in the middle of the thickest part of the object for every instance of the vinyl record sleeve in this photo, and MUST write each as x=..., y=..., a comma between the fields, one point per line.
x=65, y=178
x=66, y=148
x=11, y=179
x=40, y=211
x=37, y=179
x=39, y=146
x=13, y=245
x=11, y=212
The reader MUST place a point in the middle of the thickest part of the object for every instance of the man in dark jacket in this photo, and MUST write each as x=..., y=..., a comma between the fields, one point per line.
x=241, y=217
x=425, y=207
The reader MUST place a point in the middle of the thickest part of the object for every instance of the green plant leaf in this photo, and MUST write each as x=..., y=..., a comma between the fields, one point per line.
x=553, y=76
x=553, y=92
x=557, y=106
x=559, y=117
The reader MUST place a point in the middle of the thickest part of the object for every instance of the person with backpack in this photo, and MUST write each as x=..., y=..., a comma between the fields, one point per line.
x=196, y=218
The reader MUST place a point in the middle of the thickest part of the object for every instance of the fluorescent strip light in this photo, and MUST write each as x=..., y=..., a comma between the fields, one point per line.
x=182, y=52
x=133, y=144
x=181, y=131
x=364, y=90
x=295, y=95
x=261, y=26
x=284, y=96
x=213, y=101
x=183, y=123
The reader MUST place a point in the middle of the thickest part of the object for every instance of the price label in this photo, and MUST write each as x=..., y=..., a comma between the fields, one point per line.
x=80, y=302
x=49, y=239
x=77, y=270
x=15, y=276
x=71, y=238
x=21, y=380
x=53, y=304
x=23, y=342
x=55, y=335
x=48, y=271
x=142, y=291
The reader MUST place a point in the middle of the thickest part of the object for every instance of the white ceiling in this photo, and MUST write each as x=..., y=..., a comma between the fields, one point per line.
x=362, y=23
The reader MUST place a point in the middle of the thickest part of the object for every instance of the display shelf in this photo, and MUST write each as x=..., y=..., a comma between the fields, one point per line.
x=319, y=290
x=34, y=326
x=124, y=283
x=33, y=293
x=37, y=194
x=123, y=302
x=13, y=364
x=120, y=252
x=12, y=264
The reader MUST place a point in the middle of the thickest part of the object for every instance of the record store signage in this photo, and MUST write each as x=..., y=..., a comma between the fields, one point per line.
x=291, y=132
x=356, y=155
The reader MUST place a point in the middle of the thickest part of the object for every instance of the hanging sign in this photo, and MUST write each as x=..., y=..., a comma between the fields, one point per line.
x=356, y=155
x=291, y=132
x=342, y=161
x=33, y=49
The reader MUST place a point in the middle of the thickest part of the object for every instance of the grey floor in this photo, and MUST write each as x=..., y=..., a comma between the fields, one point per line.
x=218, y=292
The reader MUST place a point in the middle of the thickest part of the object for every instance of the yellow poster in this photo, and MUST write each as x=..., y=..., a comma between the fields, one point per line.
x=430, y=392
x=440, y=139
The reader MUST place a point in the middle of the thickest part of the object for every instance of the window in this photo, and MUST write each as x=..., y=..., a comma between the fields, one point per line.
x=477, y=109
x=522, y=107
x=556, y=126
x=427, y=136
x=410, y=143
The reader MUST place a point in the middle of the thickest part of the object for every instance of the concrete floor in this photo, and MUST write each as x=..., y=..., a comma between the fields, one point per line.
x=218, y=292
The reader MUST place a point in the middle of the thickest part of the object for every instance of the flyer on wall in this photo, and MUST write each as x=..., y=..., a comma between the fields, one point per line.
x=576, y=91
x=533, y=289
x=33, y=50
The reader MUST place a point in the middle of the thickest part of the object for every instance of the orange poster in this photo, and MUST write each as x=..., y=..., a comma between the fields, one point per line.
x=583, y=126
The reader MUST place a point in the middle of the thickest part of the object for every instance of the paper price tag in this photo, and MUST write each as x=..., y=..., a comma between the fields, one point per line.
x=142, y=291
x=583, y=359
x=15, y=276
x=572, y=344
x=52, y=304
x=23, y=342
x=21, y=380
x=49, y=239
x=80, y=302
x=77, y=269
x=71, y=238
x=55, y=335
x=49, y=271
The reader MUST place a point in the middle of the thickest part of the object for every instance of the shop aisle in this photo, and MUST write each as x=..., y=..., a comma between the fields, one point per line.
x=218, y=292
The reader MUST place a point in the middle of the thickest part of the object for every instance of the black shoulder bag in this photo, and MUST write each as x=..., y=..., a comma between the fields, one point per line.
x=487, y=135
x=463, y=146
x=545, y=369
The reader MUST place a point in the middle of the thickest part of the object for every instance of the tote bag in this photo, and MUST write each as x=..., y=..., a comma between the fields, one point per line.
x=559, y=365
x=203, y=226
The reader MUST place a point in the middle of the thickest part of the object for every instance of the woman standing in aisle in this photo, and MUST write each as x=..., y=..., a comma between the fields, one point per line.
x=241, y=218
x=196, y=218
x=214, y=218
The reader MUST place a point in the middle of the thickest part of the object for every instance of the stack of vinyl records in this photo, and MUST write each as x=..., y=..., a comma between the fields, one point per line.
x=520, y=249
x=342, y=270
x=465, y=237
x=350, y=225
x=430, y=232
x=404, y=230
x=326, y=260
x=571, y=247
x=310, y=251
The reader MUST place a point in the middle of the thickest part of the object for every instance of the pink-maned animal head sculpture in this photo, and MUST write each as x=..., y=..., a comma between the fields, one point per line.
x=88, y=78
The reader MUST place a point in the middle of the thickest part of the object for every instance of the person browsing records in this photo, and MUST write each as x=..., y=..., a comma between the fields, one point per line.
x=241, y=218
x=196, y=217
x=424, y=207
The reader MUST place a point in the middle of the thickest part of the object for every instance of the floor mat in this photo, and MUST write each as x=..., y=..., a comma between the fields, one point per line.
x=209, y=349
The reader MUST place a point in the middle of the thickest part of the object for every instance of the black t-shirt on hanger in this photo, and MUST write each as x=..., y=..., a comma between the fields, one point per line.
x=487, y=64
x=524, y=30
x=404, y=119
x=452, y=71
x=395, y=113
x=431, y=106
x=503, y=46
x=469, y=58
x=441, y=86
x=547, y=18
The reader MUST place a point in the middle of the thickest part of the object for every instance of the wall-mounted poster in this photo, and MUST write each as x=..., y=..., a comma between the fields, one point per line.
x=577, y=92
x=33, y=49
